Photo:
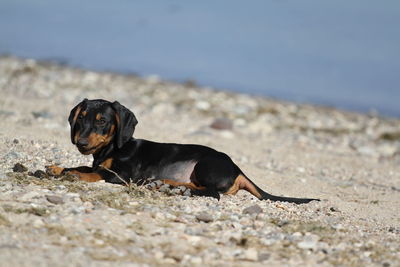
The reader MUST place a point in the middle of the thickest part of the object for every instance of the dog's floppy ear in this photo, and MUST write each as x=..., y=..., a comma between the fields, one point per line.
x=73, y=117
x=126, y=122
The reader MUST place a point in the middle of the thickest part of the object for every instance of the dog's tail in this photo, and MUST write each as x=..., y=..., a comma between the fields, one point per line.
x=246, y=184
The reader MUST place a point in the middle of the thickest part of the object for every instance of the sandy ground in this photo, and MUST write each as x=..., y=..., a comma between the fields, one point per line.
x=349, y=160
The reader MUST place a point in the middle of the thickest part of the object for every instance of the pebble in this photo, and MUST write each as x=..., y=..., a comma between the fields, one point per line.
x=250, y=254
x=18, y=167
x=194, y=231
x=77, y=210
x=42, y=114
x=204, y=217
x=196, y=260
x=37, y=223
x=255, y=209
x=98, y=242
x=54, y=199
x=180, y=190
x=165, y=188
x=30, y=195
x=155, y=229
x=203, y=105
x=187, y=193
x=158, y=255
x=13, y=155
x=154, y=185
x=234, y=236
x=39, y=174
x=263, y=256
x=226, y=134
x=334, y=209
x=310, y=242
x=222, y=124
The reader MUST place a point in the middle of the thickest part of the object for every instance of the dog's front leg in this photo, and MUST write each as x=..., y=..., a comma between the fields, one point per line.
x=84, y=173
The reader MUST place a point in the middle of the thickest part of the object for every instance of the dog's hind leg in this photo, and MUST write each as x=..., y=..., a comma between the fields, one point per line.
x=220, y=174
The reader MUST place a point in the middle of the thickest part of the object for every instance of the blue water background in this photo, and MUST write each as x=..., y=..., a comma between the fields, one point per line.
x=339, y=53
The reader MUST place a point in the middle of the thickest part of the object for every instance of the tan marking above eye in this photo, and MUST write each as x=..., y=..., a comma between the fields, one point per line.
x=84, y=113
x=98, y=116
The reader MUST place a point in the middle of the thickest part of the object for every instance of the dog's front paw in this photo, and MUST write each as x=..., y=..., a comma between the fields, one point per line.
x=54, y=170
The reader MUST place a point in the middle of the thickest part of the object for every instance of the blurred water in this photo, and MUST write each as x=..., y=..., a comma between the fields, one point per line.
x=339, y=53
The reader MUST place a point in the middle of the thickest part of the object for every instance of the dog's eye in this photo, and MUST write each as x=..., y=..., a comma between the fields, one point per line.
x=80, y=116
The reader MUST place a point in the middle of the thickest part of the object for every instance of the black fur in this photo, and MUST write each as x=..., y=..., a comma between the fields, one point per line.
x=141, y=161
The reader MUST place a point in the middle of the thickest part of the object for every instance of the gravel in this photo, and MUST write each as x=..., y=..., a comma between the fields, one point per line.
x=254, y=209
x=349, y=160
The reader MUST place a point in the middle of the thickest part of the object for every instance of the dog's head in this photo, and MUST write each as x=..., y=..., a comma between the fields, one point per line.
x=97, y=123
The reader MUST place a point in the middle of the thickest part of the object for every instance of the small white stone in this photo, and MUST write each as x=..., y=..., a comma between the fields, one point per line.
x=30, y=195
x=367, y=254
x=160, y=216
x=88, y=204
x=226, y=134
x=38, y=223
x=187, y=193
x=98, y=242
x=169, y=261
x=310, y=242
x=301, y=169
x=307, y=244
x=193, y=239
x=166, y=188
x=250, y=254
x=196, y=260
x=297, y=234
x=158, y=255
x=203, y=105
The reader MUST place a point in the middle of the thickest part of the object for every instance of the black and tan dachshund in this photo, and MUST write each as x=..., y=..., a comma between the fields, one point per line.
x=105, y=130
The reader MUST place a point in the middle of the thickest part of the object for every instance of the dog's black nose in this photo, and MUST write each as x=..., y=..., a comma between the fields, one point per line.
x=82, y=142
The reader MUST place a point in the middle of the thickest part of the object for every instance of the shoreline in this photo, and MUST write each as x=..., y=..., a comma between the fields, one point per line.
x=349, y=160
x=192, y=83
